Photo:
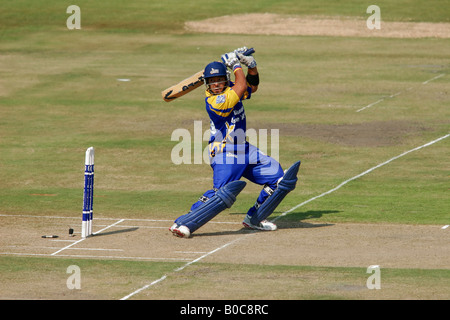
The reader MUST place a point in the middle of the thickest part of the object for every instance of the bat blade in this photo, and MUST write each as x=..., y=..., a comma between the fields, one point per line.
x=183, y=87
x=189, y=84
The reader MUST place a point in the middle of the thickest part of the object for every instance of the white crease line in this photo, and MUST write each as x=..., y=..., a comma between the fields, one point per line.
x=79, y=218
x=76, y=242
x=123, y=257
x=24, y=254
x=95, y=249
x=445, y=227
x=360, y=175
x=96, y=218
x=95, y=257
x=189, y=252
x=67, y=247
x=54, y=248
x=211, y=252
x=32, y=216
x=183, y=267
x=123, y=226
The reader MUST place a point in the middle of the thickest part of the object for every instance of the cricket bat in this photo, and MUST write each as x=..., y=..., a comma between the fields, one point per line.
x=189, y=84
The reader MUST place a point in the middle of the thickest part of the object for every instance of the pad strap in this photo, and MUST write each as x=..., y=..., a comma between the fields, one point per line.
x=223, y=199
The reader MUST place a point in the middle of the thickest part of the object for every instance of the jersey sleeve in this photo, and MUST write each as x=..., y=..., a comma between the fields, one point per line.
x=247, y=94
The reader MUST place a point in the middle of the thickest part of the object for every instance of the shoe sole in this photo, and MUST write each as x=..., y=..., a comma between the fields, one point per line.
x=256, y=228
x=177, y=233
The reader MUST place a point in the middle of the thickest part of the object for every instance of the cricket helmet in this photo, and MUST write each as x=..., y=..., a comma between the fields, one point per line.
x=215, y=69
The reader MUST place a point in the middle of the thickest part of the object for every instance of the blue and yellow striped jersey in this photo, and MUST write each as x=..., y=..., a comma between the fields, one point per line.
x=227, y=115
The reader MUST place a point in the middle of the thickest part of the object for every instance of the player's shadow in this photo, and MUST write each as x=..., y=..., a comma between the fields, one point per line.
x=223, y=233
x=115, y=232
x=292, y=220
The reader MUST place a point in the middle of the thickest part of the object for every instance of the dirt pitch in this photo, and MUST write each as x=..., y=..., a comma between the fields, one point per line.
x=220, y=241
x=307, y=244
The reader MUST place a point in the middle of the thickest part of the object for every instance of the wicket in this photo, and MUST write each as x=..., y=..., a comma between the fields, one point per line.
x=88, y=197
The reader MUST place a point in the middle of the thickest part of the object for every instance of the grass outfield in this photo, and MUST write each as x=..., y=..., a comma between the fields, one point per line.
x=109, y=279
x=59, y=102
x=59, y=94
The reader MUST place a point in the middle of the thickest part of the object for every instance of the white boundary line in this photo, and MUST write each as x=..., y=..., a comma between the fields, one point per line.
x=396, y=94
x=184, y=266
x=437, y=77
x=360, y=175
x=370, y=105
x=144, y=287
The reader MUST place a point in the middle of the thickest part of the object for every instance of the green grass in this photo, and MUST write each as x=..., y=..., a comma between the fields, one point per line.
x=99, y=279
x=44, y=118
x=411, y=190
x=305, y=283
x=52, y=83
x=59, y=95
x=156, y=17
x=112, y=279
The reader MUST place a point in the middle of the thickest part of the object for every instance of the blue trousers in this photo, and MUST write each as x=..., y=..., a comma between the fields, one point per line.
x=243, y=160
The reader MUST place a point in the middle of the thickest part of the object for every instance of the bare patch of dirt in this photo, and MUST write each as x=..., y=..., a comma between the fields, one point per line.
x=346, y=244
x=369, y=134
x=276, y=24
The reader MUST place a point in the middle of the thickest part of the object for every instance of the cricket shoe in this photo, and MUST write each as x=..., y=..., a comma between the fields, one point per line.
x=180, y=231
x=263, y=225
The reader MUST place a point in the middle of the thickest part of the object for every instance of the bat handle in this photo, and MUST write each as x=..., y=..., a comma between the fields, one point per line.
x=249, y=52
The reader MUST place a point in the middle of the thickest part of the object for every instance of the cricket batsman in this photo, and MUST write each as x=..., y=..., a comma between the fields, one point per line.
x=231, y=156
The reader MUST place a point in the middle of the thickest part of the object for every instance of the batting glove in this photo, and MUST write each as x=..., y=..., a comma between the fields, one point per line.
x=240, y=50
x=248, y=61
x=231, y=60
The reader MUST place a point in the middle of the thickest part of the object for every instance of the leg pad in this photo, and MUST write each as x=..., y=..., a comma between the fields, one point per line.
x=286, y=185
x=223, y=199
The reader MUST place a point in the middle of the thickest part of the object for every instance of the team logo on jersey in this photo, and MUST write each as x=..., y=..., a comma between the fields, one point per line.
x=220, y=99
